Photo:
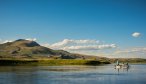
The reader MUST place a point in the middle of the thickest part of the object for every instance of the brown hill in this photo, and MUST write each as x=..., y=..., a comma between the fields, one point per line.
x=28, y=48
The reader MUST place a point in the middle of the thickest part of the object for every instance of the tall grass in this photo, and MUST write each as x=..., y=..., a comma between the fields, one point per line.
x=50, y=62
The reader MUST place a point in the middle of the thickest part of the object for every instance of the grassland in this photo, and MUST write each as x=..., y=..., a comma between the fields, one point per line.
x=44, y=61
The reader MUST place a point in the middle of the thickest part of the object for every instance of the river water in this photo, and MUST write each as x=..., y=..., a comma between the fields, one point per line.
x=106, y=74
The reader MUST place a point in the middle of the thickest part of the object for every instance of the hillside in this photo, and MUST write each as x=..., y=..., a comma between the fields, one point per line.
x=26, y=48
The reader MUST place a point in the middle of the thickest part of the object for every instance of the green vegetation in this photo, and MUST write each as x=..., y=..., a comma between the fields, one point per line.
x=50, y=62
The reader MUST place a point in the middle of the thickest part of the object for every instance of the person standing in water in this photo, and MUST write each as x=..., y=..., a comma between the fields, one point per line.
x=117, y=62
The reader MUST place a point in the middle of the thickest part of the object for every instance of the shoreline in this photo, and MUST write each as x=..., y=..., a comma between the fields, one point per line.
x=50, y=62
x=44, y=61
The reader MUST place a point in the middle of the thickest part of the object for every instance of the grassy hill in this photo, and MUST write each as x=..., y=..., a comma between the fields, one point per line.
x=31, y=49
x=28, y=48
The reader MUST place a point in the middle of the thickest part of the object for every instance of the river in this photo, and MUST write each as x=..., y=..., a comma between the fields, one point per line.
x=106, y=74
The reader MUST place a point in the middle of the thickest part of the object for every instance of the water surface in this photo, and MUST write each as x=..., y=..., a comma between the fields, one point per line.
x=106, y=74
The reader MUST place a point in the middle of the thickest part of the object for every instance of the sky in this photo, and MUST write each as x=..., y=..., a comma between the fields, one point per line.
x=110, y=28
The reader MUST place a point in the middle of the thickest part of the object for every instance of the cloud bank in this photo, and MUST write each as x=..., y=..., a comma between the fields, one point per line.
x=69, y=44
x=133, y=50
x=137, y=52
x=90, y=47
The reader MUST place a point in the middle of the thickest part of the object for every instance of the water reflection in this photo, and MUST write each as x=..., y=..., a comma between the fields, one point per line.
x=18, y=75
x=69, y=68
x=72, y=75
x=122, y=70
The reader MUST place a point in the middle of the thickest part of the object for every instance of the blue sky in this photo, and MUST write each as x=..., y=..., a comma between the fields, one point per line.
x=51, y=21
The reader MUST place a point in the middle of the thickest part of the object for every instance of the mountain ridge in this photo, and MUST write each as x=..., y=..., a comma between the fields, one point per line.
x=22, y=47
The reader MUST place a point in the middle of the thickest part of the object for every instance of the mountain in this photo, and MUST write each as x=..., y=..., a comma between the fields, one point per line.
x=22, y=47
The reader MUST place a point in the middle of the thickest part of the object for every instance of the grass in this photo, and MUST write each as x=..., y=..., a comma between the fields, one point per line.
x=42, y=60
x=49, y=62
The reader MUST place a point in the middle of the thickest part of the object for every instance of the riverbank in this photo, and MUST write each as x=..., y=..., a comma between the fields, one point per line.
x=51, y=62
x=55, y=61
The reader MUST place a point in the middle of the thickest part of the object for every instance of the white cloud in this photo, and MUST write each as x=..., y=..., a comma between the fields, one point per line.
x=31, y=39
x=90, y=47
x=6, y=41
x=136, y=34
x=137, y=52
x=68, y=44
x=46, y=45
x=133, y=50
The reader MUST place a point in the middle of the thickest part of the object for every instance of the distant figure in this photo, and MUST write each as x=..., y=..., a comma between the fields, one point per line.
x=117, y=66
x=117, y=62
x=127, y=64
